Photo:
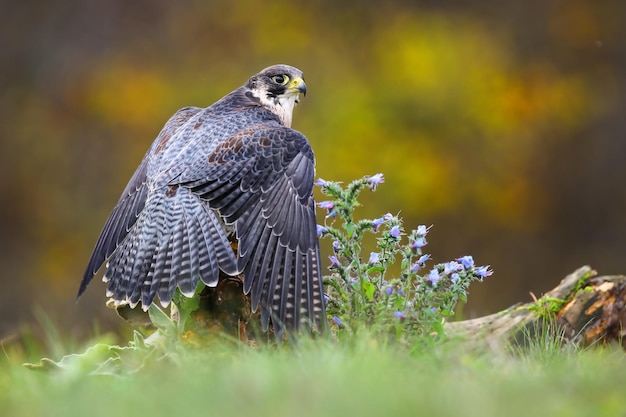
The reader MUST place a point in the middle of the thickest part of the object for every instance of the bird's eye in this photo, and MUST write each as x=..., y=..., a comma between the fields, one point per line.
x=280, y=79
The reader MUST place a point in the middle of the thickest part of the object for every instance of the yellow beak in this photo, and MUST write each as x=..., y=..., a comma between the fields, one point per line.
x=297, y=85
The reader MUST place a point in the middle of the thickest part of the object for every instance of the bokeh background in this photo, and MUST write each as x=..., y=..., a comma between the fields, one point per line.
x=499, y=123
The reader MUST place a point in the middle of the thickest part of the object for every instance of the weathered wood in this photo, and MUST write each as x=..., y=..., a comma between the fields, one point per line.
x=585, y=308
x=222, y=310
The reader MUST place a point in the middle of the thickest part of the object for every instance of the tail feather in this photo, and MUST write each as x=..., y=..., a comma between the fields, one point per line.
x=176, y=242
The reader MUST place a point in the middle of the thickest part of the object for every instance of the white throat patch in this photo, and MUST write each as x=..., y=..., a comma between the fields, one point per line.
x=282, y=106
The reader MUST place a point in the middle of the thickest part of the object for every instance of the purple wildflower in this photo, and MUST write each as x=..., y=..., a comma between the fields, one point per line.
x=388, y=216
x=389, y=290
x=483, y=271
x=333, y=260
x=416, y=267
x=418, y=243
x=321, y=230
x=375, y=180
x=377, y=222
x=395, y=232
x=433, y=276
x=399, y=315
x=328, y=205
x=336, y=246
x=422, y=260
x=452, y=266
x=332, y=213
x=455, y=278
x=400, y=291
x=422, y=230
x=374, y=258
x=321, y=183
x=466, y=261
x=338, y=321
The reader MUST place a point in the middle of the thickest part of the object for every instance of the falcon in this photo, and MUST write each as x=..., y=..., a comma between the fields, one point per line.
x=225, y=190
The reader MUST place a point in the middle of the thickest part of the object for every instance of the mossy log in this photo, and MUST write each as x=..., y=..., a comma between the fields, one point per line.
x=584, y=309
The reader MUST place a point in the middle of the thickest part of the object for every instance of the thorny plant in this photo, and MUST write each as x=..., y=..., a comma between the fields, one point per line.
x=362, y=291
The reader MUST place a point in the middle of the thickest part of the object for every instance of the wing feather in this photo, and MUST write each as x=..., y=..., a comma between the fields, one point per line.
x=204, y=181
x=270, y=202
x=132, y=201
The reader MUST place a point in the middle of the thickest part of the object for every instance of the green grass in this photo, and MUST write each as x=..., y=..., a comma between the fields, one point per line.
x=321, y=378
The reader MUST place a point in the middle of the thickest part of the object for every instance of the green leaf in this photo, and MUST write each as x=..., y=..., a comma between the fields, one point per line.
x=79, y=363
x=349, y=229
x=375, y=268
x=162, y=321
x=368, y=288
x=139, y=341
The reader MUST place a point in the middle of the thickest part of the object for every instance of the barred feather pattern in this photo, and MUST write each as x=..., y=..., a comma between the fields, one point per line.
x=229, y=172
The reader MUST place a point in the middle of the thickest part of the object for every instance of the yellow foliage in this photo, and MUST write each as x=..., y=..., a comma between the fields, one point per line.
x=129, y=96
x=464, y=111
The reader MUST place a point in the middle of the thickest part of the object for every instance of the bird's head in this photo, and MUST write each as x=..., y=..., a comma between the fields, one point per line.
x=278, y=89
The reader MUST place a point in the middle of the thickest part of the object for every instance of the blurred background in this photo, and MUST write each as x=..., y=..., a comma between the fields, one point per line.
x=499, y=123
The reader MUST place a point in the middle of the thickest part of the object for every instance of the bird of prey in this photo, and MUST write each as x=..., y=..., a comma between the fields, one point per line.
x=224, y=188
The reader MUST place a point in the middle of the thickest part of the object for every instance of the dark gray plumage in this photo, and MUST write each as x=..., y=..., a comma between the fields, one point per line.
x=234, y=171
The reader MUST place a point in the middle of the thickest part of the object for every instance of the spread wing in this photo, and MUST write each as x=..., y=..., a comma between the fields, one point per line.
x=131, y=202
x=261, y=181
x=256, y=182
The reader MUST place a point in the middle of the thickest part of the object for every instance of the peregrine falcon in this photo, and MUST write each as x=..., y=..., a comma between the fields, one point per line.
x=224, y=188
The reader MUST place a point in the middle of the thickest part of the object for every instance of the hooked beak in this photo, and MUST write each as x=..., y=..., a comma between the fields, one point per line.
x=298, y=86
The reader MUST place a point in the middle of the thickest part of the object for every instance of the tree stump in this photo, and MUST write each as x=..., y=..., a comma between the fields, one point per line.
x=584, y=309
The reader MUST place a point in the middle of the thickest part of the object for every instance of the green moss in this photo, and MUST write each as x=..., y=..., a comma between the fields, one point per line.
x=547, y=306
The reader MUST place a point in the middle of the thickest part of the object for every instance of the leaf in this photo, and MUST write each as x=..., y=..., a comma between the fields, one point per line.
x=183, y=306
x=162, y=321
x=139, y=341
x=375, y=268
x=368, y=289
x=81, y=363
x=349, y=229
